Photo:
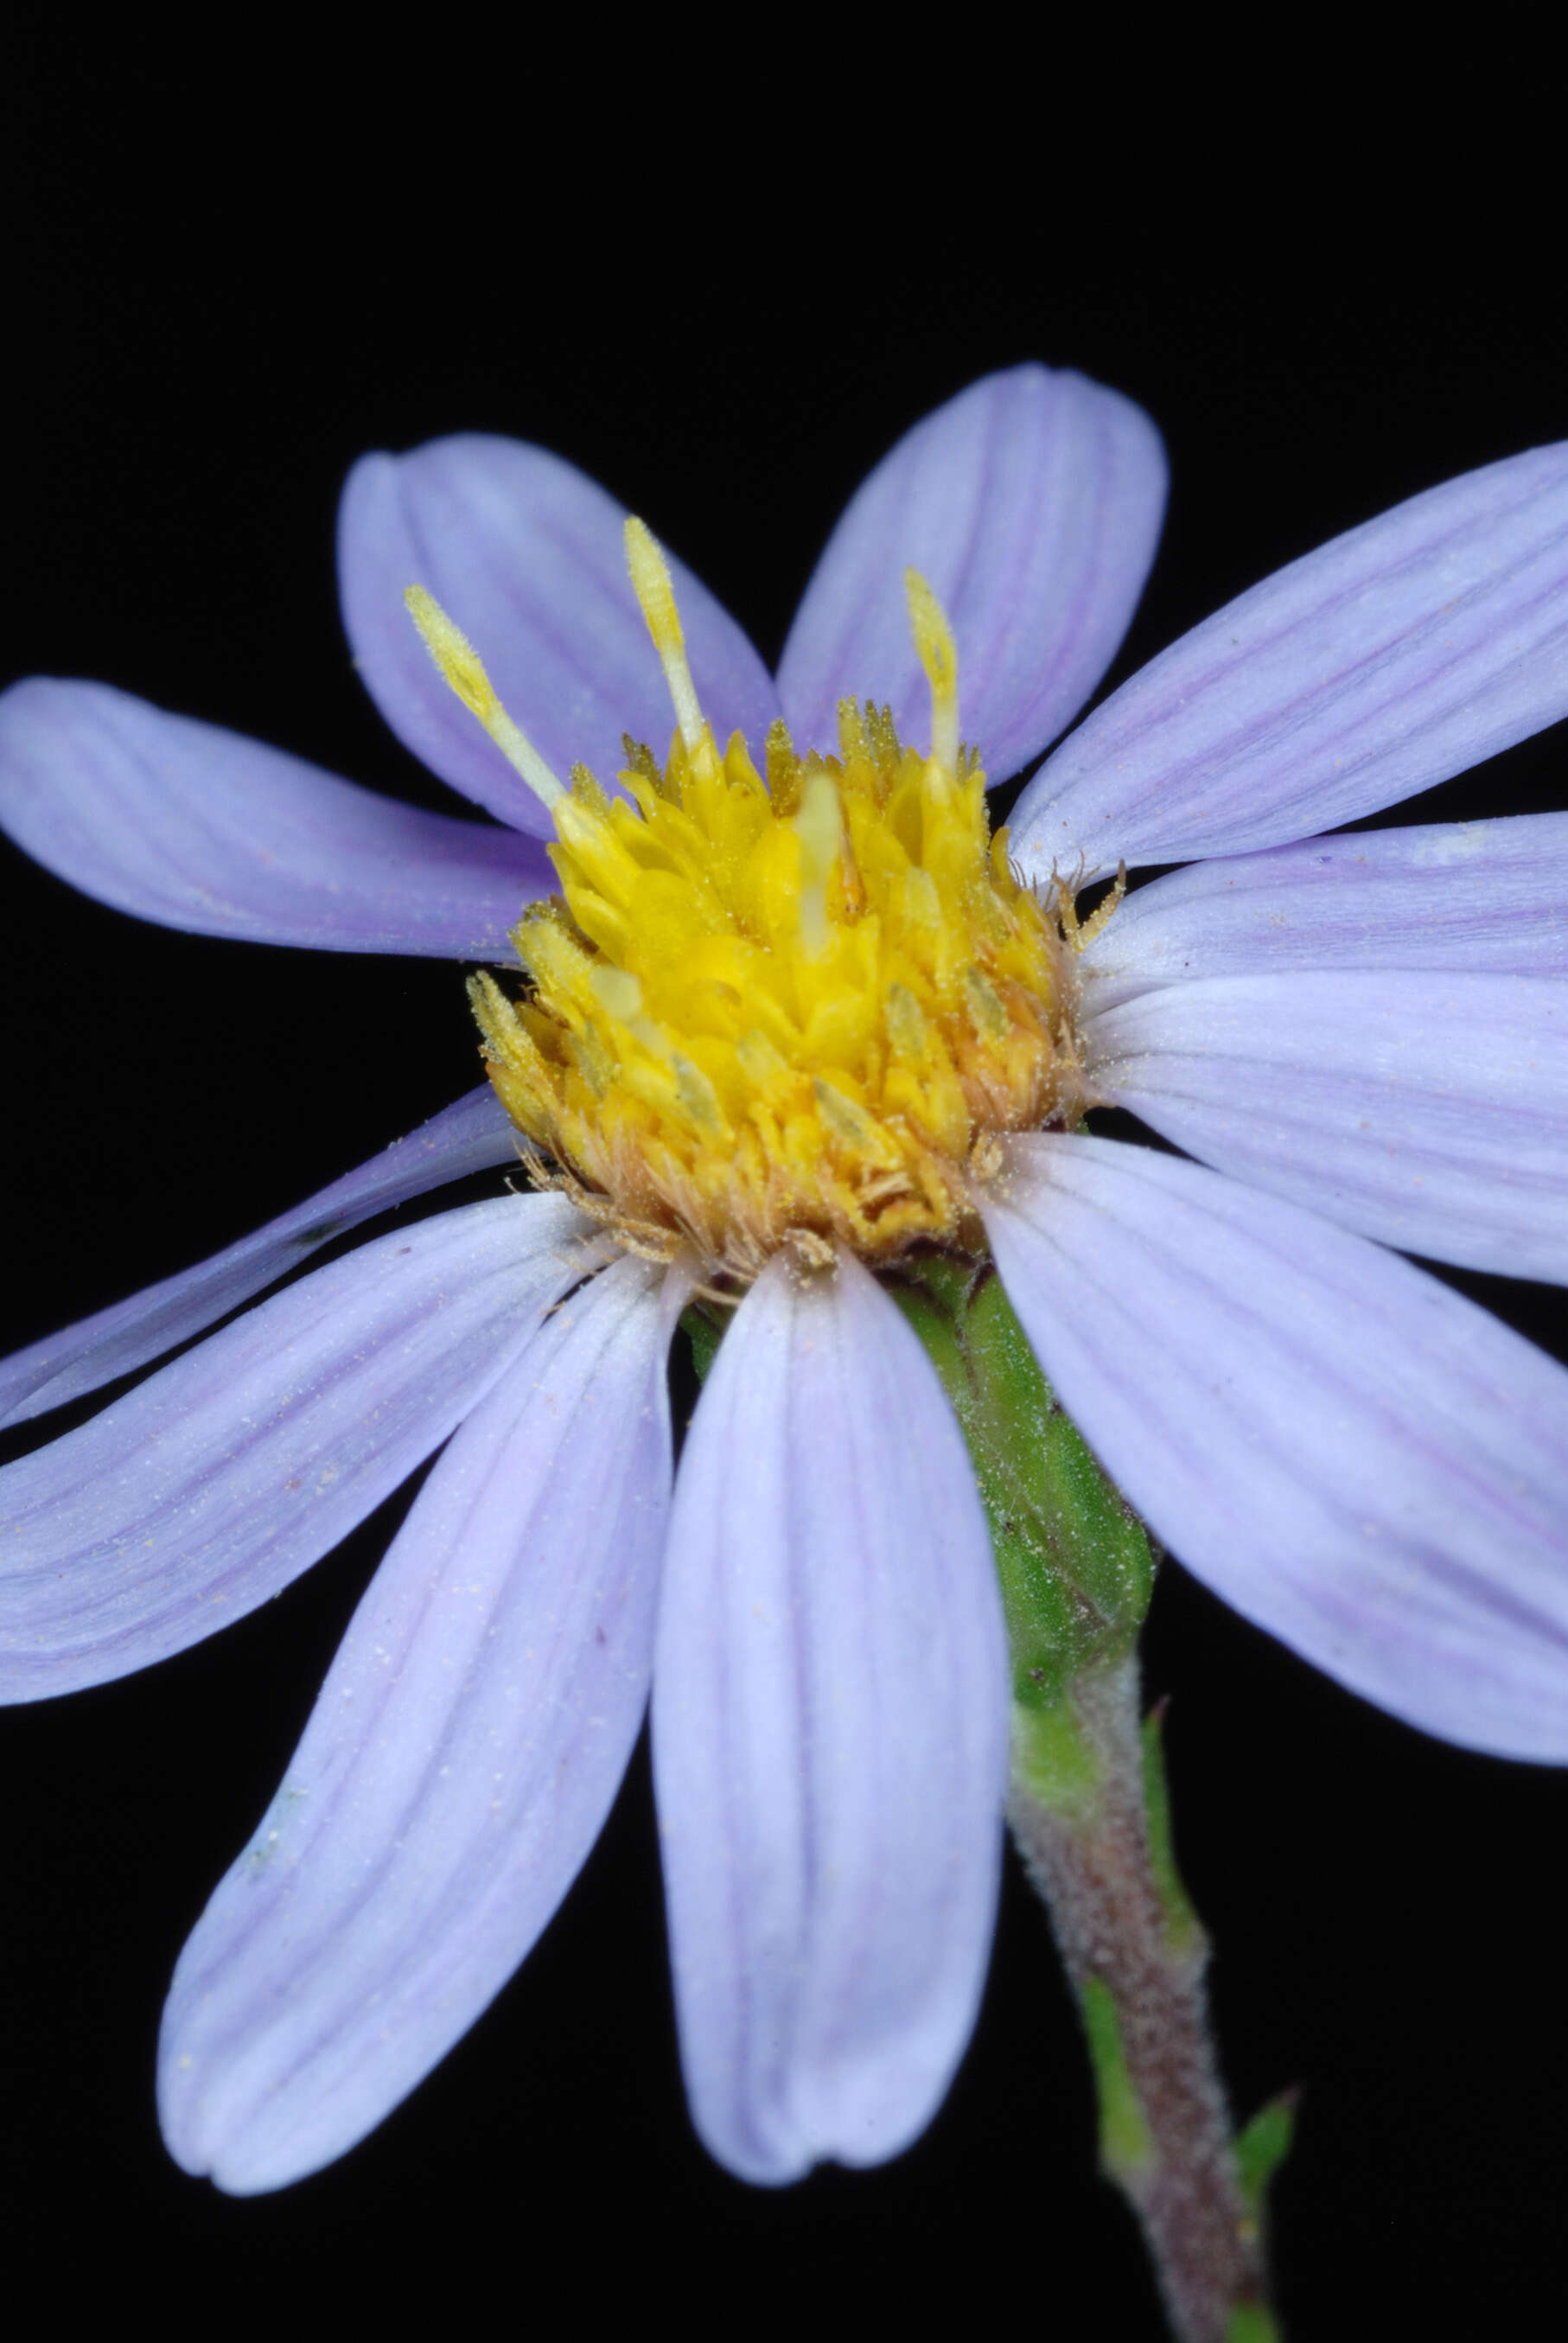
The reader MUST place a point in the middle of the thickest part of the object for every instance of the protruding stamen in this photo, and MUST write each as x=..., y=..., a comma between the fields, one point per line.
x=463, y=669
x=820, y=826
x=1080, y=933
x=650, y=584
x=939, y=656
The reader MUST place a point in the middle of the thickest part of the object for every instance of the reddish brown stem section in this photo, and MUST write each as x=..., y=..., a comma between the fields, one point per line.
x=1089, y=1856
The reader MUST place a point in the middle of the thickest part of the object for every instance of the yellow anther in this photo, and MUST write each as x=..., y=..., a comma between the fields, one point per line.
x=697, y=1095
x=906, y=1026
x=585, y=791
x=819, y=827
x=618, y=990
x=462, y=669
x=985, y=1006
x=939, y=656
x=650, y=584
x=760, y=1061
x=849, y=1123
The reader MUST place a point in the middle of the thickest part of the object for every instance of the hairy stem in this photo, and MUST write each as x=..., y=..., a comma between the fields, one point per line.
x=1096, y=1848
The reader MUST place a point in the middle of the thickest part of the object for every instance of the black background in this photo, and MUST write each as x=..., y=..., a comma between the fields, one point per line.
x=229, y=279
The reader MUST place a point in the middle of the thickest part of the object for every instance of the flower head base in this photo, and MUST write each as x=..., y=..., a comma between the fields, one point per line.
x=791, y=1008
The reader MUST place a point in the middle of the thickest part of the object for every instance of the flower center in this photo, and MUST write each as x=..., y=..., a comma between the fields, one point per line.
x=780, y=1007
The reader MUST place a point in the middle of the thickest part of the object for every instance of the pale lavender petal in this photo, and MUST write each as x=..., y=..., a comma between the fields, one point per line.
x=471, y=1136
x=1362, y=1462
x=1402, y=652
x=1429, y=1112
x=1479, y=895
x=466, y=1748
x=830, y=1734
x=218, y=1481
x=1032, y=503
x=201, y=829
x=526, y=553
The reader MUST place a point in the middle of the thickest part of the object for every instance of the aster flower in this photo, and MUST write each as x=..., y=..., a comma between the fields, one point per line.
x=1358, y=1041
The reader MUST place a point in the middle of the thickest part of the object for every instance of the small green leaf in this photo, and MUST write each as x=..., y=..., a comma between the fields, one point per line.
x=1250, y=2322
x=1126, y=2142
x=1262, y=2146
x=1183, y=1929
x=704, y=1337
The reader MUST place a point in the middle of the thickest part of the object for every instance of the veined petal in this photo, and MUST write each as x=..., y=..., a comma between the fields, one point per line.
x=526, y=553
x=218, y=1481
x=466, y=1746
x=201, y=829
x=1032, y=503
x=1477, y=895
x=1402, y=652
x=468, y=1137
x=829, y=1733
x=1429, y=1112
x=1366, y=1465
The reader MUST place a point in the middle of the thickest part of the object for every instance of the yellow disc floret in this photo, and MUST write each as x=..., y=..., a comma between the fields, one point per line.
x=785, y=1007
